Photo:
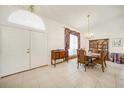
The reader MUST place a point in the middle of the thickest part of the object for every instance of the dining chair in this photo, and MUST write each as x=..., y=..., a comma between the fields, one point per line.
x=105, y=57
x=82, y=58
x=101, y=60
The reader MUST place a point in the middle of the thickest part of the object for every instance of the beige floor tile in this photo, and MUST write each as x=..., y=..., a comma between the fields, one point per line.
x=66, y=75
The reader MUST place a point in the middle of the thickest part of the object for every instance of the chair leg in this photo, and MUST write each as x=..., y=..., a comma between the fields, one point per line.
x=77, y=65
x=88, y=65
x=105, y=63
x=102, y=68
x=85, y=67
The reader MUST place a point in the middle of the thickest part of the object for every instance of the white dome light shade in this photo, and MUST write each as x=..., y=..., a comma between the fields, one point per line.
x=28, y=19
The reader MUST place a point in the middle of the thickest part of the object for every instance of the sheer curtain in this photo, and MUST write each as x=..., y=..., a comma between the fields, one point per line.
x=73, y=45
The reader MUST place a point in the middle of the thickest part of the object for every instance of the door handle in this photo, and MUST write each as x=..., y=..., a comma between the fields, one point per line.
x=28, y=50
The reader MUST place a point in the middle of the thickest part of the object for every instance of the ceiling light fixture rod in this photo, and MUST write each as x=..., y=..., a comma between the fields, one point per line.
x=88, y=23
x=89, y=35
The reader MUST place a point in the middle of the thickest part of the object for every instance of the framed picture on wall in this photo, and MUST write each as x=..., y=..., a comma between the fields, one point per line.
x=117, y=42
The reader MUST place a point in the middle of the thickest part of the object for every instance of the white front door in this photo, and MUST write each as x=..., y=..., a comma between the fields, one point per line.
x=13, y=50
x=38, y=49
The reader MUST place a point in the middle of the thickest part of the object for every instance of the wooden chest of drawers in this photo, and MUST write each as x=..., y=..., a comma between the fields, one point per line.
x=58, y=54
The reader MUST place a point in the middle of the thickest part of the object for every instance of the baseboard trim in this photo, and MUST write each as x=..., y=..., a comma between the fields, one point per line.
x=23, y=71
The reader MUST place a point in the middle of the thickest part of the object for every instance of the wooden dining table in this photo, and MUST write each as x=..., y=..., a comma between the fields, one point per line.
x=92, y=56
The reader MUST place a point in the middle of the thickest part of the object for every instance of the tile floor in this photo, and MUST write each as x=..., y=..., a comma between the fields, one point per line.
x=66, y=75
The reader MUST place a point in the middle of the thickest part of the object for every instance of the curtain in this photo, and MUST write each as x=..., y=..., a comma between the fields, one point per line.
x=67, y=38
x=67, y=33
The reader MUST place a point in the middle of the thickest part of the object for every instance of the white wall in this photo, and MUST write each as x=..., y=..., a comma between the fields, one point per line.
x=55, y=36
x=111, y=29
x=54, y=30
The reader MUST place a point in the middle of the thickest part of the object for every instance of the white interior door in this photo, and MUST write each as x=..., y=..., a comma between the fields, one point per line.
x=13, y=50
x=38, y=49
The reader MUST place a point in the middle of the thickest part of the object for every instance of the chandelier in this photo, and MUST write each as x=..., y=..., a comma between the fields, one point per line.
x=89, y=35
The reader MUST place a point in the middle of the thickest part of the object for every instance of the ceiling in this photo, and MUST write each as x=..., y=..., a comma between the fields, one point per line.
x=76, y=15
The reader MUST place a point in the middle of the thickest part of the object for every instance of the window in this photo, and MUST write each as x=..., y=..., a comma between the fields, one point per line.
x=28, y=19
x=73, y=45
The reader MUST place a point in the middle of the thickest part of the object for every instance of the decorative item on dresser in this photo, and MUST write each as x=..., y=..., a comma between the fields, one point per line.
x=58, y=54
x=116, y=57
x=99, y=45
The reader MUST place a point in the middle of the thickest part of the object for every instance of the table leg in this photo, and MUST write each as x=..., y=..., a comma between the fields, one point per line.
x=90, y=60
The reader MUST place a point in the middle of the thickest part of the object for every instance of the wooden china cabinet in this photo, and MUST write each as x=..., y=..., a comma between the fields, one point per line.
x=99, y=45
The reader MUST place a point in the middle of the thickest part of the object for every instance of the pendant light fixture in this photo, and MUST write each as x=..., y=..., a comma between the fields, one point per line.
x=89, y=35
